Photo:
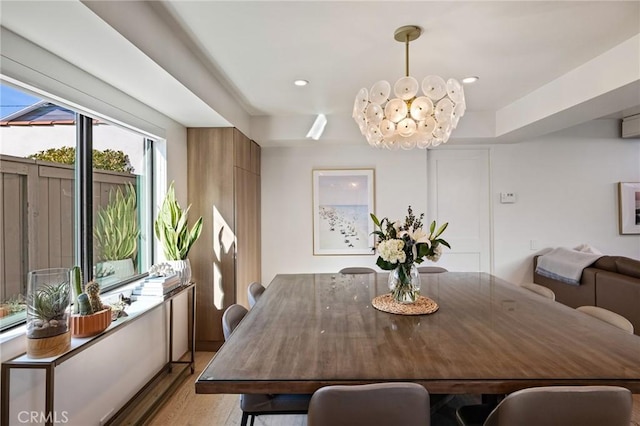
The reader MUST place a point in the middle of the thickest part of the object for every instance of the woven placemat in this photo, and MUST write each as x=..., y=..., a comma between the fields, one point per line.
x=422, y=306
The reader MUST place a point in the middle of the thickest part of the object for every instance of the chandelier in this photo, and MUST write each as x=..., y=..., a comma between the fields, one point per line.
x=410, y=119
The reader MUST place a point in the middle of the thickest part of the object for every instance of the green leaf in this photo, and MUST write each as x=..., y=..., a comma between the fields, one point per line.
x=444, y=243
x=387, y=266
x=375, y=220
x=379, y=234
x=441, y=229
x=116, y=231
x=423, y=249
x=171, y=227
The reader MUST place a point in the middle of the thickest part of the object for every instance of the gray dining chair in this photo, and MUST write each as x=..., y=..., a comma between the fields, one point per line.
x=357, y=270
x=380, y=404
x=431, y=269
x=253, y=405
x=554, y=406
x=607, y=316
x=254, y=291
x=539, y=289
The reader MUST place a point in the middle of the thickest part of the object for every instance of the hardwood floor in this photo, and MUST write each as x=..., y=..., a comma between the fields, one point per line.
x=186, y=408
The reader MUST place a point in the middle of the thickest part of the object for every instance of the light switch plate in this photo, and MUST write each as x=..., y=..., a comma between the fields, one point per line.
x=507, y=197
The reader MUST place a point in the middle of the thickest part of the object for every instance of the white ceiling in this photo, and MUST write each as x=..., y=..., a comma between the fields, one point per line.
x=234, y=62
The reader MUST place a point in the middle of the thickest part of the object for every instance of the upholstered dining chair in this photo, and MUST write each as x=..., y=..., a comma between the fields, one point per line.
x=539, y=289
x=357, y=270
x=380, y=404
x=607, y=316
x=254, y=291
x=554, y=406
x=431, y=269
x=253, y=405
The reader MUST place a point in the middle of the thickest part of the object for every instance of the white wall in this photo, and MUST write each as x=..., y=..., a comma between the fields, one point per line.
x=566, y=186
x=287, y=240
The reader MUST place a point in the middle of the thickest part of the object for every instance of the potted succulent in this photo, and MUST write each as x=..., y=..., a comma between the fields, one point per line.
x=12, y=306
x=90, y=316
x=116, y=234
x=172, y=229
x=48, y=299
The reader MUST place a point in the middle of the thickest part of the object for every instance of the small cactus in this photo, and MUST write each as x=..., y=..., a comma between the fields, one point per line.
x=84, y=306
x=93, y=291
x=76, y=286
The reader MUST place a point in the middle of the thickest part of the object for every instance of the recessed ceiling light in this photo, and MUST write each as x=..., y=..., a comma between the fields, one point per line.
x=301, y=82
x=471, y=79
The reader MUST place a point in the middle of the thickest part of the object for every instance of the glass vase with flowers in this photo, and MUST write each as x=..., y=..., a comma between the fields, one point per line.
x=402, y=245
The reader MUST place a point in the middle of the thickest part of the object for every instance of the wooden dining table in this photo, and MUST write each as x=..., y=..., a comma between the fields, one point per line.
x=487, y=337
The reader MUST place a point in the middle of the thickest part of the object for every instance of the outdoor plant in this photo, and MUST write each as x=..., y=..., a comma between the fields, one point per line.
x=172, y=229
x=108, y=159
x=116, y=232
x=14, y=304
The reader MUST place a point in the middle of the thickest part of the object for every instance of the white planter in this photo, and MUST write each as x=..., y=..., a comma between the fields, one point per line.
x=182, y=268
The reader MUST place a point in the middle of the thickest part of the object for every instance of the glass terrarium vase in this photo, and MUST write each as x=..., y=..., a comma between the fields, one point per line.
x=48, y=300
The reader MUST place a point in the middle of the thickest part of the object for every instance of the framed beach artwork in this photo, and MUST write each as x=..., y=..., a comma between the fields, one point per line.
x=629, y=207
x=342, y=202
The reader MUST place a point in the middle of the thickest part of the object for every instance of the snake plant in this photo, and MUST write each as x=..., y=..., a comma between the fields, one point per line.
x=172, y=230
x=116, y=232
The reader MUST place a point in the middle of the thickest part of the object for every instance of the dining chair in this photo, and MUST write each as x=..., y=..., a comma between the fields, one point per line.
x=539, y=289
x=253, y=405
x=607, y=316
x=254, y=291
x=554, y=406
x=380, y=404
x=431, y=269
x=357, y=270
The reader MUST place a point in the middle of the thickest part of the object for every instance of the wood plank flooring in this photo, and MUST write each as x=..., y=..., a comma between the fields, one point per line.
x=186, y=408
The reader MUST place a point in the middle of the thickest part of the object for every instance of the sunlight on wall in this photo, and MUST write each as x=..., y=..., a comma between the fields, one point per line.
x=223, y=241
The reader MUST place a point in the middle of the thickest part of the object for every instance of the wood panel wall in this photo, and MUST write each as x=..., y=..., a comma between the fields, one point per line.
x=223, y=188
x=37, y=212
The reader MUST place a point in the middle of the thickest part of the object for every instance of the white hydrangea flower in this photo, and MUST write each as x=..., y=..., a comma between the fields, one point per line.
x=392, y=251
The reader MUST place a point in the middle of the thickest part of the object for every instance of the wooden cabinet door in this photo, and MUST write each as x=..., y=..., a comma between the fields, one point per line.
x=211, y=195
x=247, y=232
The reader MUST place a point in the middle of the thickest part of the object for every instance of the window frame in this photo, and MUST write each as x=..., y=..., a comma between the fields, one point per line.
x=84, y=200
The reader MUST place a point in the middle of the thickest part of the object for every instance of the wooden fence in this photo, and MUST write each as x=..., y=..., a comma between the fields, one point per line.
x=37, y=222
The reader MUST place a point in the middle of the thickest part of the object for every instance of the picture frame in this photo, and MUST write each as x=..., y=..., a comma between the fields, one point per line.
x=343, y=200
x=629, y=207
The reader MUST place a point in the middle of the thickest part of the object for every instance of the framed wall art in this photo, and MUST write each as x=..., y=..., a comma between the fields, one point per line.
x=629, y=207
x=342, y=202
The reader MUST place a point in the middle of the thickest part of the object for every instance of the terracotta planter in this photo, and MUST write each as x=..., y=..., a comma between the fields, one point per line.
x=90, y=325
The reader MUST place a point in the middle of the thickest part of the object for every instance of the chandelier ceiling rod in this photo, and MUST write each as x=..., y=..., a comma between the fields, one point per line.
x=405, y=35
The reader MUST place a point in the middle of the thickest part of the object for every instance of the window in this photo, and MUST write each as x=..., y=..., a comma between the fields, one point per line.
x=54, y=213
